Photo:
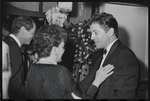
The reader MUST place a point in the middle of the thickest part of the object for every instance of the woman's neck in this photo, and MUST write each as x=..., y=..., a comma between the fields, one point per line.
x=47, y=60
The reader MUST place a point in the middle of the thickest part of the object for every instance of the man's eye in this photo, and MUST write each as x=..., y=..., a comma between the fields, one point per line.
x=95, y=33
x=60, y=17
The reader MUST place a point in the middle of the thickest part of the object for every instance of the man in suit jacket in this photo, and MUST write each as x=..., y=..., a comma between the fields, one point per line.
x=22, y=31
x=123, y=82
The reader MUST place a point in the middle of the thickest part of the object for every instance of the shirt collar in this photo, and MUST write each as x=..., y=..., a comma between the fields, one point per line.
x=47, y=61
x=110, y=45
x=16, y=39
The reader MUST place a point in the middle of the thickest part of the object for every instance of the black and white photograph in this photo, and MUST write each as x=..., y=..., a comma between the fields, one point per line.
x=74, y=50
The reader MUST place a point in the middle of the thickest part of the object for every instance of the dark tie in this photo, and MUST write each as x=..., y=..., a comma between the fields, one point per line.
x=104, y=51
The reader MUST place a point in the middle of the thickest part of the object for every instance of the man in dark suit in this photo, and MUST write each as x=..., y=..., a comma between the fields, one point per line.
x=22, y=31
x=123, y=82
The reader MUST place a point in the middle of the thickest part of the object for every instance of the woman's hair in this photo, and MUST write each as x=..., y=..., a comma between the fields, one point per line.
x=46, y=37
x=107, y=21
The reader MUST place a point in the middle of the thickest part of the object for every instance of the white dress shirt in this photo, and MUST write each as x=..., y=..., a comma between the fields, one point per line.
x=16, y=39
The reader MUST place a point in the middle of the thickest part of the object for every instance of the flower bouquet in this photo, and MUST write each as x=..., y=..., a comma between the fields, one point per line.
x=84, y=48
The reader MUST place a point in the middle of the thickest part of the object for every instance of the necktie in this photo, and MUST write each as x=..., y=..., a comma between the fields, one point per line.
x=104, y=51
x=104, y=54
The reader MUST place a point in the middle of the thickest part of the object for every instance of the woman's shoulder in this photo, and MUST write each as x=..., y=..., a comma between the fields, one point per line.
x=63, y=71
x=62, y=68
x=51, y=69
x=43, y=68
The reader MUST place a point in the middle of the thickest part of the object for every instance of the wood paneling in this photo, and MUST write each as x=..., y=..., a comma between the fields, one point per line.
x=10, y=9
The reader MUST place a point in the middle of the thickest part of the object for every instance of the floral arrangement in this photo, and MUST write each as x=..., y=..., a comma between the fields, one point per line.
x=54, y=16
x=58, y=15
x=84, y=48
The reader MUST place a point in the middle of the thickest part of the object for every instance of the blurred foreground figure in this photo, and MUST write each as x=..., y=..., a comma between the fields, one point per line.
x=6, y=70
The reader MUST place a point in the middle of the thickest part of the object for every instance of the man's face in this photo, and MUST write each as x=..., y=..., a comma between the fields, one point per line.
x=99, y=36
x=29, y=35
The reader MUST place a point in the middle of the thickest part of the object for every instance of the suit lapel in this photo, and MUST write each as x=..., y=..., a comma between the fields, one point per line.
x=114, y=46
x=14, y=41
x=98, y=62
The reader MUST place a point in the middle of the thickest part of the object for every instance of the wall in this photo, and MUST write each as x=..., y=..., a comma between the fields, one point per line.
x=48, y=5
x=31, y=6
x=81, y=11
x=133, y=29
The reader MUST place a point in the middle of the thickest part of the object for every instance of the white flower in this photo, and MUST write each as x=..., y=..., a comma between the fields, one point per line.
x=54, y=16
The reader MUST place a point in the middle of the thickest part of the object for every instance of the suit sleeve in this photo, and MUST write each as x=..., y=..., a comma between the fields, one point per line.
x=87, y=81
x=67, y=86
x=86, y=95
x=86, y=89
x=125, y=77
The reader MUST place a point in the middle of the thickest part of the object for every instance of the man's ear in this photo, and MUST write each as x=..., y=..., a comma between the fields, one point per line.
x=23, y=30
x=111, y=32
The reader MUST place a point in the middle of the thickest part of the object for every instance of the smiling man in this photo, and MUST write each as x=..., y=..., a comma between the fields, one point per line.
x=123, y=83
x=22, y=32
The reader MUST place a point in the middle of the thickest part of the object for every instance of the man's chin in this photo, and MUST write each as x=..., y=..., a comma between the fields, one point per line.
x=60, y=60
x=27, y=43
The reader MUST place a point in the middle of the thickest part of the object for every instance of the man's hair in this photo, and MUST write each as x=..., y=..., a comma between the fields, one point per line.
x=21, y=21
x=107, y=21
x=46, y=37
